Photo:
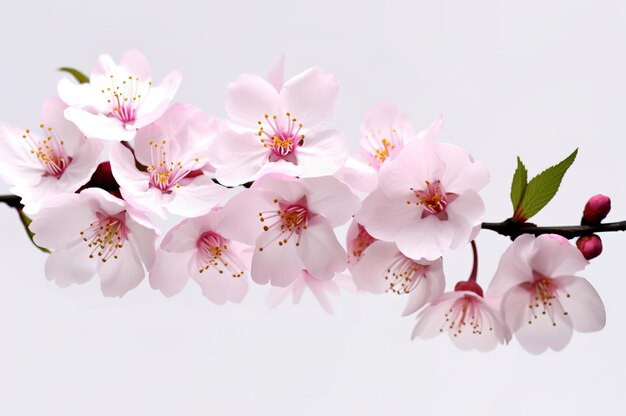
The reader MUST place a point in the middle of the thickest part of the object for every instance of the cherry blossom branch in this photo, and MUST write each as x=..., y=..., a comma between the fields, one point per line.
x=514, y=229
x=13, y=201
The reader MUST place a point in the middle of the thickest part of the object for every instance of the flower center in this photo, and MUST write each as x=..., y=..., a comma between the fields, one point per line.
x=105, y=237
x=281, y=135
x=124, y=96
x=213, y=252
x=463, y=312
x=362, y=241
x=288, y=220
x=49, y=151
x=404, y=275
x=432, y=197
x=544, y=298
x=379, y=146
x=164, y=173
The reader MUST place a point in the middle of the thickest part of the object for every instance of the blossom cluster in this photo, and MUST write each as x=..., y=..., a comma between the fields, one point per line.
x=259, y=196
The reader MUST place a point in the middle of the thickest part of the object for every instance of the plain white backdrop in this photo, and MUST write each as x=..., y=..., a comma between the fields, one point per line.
x=535, y=79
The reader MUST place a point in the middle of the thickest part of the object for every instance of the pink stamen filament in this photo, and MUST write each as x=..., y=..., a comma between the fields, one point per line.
x=404, y=275
x=166, y=174
x=433, y=197
x=379, y=147
x=544, y=294
x=105, y=236
x=281, y=141
x=49, y=151
x=213, y=252
x=457, y=317
x=125, y=98
x=290, y=220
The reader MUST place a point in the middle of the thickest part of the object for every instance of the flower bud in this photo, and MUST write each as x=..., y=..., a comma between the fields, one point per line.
x=596, y=209
x=590, y=246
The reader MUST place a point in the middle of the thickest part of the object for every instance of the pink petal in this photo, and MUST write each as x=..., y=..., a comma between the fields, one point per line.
x=249, y=98
x=275, y=77
x=60, y=221
x=323, y=153
x=385, y=217
x=166, y=275
x=320, y=289
x=18, y=167
x=332, y=199
x=320, y=251
x=276, y=264
x=358, y=175
x=79, y=95
x=183, y=236
x=237, y=157
x=282, y=187
x=461, y=173
x=144, y=239
x=426, y=238
x=196, y=198
x=136, y=64
x=125, y=171
x=534, y=335
x=514, y=267
x=118, y=276
x=98, y=126
x=386, y=116
x=239, y=219
x=432, y=319
x=156, y=102
x=311, y=97
x=71, y=265
x=583, y=305
x=369, y=273
x=417, y=163
x=221, y=288
x=553, y=259
x=464, y=213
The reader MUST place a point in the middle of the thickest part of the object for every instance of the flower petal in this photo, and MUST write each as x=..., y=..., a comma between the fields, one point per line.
x=427, y=238
x=320, y=251
x=98, y=126
x=583, y=304
x=276, y=264
x=169, y=272
x=196, y=198
x=71, y=265
x=249, y=98
x=237, y=157
x=323, y=153
x=118, y=276
x=385, y=217
x=239, y=219
x=311, y=97
x=329, y=197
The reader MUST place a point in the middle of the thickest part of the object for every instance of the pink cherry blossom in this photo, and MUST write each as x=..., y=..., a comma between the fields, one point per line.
x=426, y=200
x=195, y=248
x=357, y=240
x=41, y=163
x=175, y=149
x=319, y=288
x=384, y=132
x=383, y=268
x=118, y=99
x=542, y=299
x=290, y=222
x=95, y=233
x=468, y=319
x=279, y=130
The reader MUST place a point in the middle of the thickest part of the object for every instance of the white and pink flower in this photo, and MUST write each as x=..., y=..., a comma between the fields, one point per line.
x=384, y=132
x=118, y=99
x=95, y=233
x=290, y=222
x=54, y=159
x=468, y=319
x=383, y=268
x=175, y=150
x=543, y=300
x=427, y=200
x=195, y=248
x=357, y=241
x=281, y=130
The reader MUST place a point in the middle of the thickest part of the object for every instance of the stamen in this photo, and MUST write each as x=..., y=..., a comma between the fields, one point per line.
x=125, y=96
x=283, y=136
x=213, y=252
x=164, y=173
x=432, y=198
x=105, y=237
x=288, y=220
x=49, y=151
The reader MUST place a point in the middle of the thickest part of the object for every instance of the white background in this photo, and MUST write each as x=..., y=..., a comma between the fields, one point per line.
x=533, y=78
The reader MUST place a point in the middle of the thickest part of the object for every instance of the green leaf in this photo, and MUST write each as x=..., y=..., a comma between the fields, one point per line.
x=542, y=188
x=26, y=222
x=519, y=184
x=80, y=77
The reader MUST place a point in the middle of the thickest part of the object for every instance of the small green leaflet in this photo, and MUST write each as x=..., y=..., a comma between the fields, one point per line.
x=80, y=77
x=529, y=198
x=26, y=222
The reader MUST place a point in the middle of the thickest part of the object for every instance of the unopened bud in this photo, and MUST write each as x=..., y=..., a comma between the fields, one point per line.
x=590, y=246
x=596, y=209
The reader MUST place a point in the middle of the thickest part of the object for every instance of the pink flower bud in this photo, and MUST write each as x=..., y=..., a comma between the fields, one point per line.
x=596, y=209
x=590, y=246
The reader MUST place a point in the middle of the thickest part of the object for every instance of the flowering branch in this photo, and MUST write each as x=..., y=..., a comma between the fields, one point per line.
x=514, y=229
x=13, y=201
